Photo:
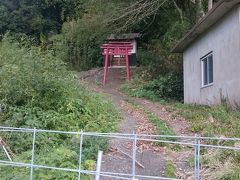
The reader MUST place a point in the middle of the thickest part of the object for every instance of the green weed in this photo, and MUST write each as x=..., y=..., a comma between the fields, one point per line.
x=170, y=169
x=161, y=126
x=235, y=175
x=210, y=121
x=38, y=91
x=167, y=87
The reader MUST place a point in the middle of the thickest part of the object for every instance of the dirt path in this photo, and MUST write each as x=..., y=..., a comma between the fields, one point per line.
x=151, y=160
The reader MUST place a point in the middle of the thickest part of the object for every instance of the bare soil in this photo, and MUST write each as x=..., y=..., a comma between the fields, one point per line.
x=151, y=159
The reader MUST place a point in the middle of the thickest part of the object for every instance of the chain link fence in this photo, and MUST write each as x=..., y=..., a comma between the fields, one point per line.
x=196, y=143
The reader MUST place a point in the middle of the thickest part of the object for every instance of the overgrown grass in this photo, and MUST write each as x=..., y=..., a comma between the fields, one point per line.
x=218, y=121
x=164, y=88
x=170, y=169
x=224, y=164
x=162, y=127
x=38, y=91
x=210, y=121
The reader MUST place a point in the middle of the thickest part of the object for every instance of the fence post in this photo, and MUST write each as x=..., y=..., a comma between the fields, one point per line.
x=197, y=146
x=33, y=153
x=195, y=157
x=198, y=159
x=80, y=155
x=99, y=162
x=134, y=155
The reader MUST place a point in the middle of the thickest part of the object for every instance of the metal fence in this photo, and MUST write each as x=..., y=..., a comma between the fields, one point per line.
x=196, y=142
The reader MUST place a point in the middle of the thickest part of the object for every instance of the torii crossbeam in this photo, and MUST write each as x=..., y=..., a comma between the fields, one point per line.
x=116, y=48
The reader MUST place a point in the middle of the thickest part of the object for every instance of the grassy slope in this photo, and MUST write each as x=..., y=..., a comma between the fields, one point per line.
x=38, y=91
x=209, y=121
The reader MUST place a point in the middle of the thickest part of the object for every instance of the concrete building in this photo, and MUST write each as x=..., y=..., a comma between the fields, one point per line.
x=211, y=56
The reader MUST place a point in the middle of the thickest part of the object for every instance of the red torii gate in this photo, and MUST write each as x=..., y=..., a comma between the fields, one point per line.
x=116, y=48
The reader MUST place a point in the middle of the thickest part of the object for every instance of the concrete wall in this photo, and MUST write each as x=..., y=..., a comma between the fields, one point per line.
x=224, y=40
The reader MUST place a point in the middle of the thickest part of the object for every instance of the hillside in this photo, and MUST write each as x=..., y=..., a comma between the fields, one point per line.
x=51, y=74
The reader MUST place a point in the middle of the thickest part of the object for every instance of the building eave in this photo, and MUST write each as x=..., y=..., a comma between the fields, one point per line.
x=213, y=16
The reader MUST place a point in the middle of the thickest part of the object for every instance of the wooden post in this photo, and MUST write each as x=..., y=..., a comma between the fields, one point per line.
x=106, y=68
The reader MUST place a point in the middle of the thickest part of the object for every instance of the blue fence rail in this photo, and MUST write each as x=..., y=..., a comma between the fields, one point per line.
x=196, y=142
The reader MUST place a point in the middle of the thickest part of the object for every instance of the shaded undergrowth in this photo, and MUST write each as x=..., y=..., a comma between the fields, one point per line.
x=37, y=91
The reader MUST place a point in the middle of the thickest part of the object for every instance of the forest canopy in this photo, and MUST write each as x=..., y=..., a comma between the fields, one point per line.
x=75, y=29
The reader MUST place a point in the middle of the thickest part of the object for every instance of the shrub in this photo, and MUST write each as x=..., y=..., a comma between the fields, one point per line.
x=38, y=91
x=167, y=87
x=59, y=157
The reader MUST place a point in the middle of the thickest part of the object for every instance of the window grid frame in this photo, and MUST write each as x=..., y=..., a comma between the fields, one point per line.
x=203, y=59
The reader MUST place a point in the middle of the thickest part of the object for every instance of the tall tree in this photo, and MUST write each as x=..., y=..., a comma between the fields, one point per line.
x=33, y=17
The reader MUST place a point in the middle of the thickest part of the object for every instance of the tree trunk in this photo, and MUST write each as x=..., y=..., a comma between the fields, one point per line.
x=179, y=10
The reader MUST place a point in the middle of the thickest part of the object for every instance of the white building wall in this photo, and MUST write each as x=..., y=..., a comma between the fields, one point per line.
x=224, y=40
x=134, y=43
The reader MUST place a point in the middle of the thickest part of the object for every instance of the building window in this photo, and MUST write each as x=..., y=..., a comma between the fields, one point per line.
x=207, y=69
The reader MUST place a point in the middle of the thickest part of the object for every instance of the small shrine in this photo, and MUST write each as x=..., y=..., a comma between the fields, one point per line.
x=120, y=51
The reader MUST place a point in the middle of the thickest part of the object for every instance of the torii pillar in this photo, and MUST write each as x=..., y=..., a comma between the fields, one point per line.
x=116, y=48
